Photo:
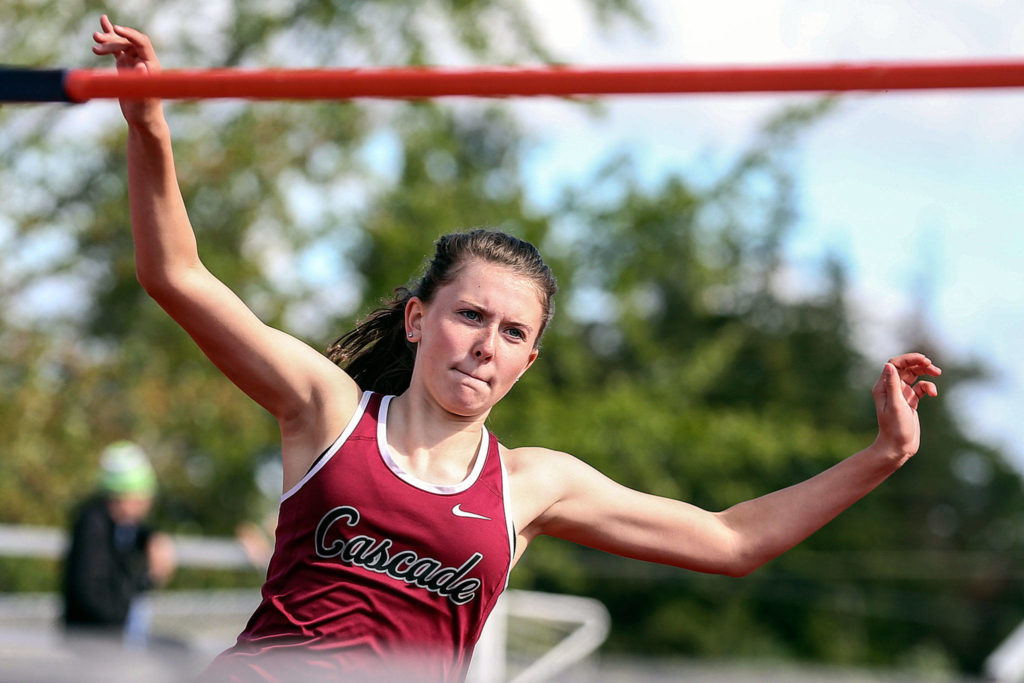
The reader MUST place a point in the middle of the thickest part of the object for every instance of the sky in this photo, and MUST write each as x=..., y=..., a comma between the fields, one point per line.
x=918, y=193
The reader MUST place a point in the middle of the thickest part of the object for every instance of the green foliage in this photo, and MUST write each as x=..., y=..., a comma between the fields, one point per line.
x=697, y=380
x=674, y=364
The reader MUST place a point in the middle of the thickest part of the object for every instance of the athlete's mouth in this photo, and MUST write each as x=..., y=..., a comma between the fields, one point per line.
x=471, y=376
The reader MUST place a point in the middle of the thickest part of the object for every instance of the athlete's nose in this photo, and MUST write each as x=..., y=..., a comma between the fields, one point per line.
x=485, y=344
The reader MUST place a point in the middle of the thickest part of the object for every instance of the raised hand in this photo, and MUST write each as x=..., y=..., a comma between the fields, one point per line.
x=897, y=394
x=132, y=51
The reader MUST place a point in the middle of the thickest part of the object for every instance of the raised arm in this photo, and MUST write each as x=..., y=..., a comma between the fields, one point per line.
x=311, y=398
x=591, y=509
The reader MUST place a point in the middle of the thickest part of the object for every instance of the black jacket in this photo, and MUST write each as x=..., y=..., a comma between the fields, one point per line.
x=105, y=568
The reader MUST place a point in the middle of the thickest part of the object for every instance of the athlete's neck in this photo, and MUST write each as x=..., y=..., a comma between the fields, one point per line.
x=430, y=443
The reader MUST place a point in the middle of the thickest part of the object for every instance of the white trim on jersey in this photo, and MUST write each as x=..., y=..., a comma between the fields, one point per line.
x=396, y=469
x=506, y=497
x=333, y=448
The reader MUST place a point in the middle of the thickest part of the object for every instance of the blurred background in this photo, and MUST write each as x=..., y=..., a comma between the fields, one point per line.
x=734, y=272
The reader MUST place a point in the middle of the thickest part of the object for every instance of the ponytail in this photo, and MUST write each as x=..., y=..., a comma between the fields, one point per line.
x=377, y=355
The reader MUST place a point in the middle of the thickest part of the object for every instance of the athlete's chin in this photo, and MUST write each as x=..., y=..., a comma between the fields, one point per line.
x=468, y=408
x=470, y=402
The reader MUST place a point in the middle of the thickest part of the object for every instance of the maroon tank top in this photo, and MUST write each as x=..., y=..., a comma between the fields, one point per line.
x=376, y=574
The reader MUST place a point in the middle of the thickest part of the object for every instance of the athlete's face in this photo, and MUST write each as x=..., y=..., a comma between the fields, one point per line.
x=476, y=337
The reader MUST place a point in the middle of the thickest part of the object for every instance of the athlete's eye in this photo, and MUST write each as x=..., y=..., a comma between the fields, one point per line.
x=470, y=314
x=517, y=333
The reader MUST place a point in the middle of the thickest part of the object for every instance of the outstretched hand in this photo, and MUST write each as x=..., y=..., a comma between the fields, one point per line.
x=897, y=394
x=132, y=51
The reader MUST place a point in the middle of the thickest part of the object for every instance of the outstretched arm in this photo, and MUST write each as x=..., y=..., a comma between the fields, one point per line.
x=593, y=510
x=310, y=396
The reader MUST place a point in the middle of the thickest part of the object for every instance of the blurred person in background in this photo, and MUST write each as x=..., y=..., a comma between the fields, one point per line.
x=114, y=557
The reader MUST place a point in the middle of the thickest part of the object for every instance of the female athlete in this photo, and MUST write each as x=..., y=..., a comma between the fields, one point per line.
x=401, y=516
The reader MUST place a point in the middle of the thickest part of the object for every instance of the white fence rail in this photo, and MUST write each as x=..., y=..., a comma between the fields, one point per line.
x=530, y=637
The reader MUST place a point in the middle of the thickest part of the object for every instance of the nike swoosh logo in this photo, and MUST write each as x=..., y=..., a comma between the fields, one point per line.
x=459, y=512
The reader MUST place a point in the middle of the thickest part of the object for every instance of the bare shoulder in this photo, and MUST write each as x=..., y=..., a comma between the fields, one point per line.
x=534, y=461
x=538, y=479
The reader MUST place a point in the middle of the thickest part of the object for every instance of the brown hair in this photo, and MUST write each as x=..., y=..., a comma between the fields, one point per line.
x=376, y=353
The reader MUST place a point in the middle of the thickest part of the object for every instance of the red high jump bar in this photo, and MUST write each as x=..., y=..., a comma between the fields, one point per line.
x=80, y=85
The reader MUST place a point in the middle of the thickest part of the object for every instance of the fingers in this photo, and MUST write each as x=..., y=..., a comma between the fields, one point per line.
x=916, y=361
x=908, y=394
x=913, y=365
x=110, y=48
x=887, y=383
x=122, y=40
x=107, y=35
x=896, y=382
x=139, y=40
x=893, y=383
x=108, y=42
x=919, y=391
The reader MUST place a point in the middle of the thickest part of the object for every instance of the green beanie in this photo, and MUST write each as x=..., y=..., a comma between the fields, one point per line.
x=125, y=469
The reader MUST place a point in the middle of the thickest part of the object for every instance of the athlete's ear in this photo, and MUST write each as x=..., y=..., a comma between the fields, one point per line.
x=529, y=362
x=414, y=310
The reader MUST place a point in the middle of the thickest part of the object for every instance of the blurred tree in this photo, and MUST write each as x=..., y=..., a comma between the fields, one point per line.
x=675, y=365
x=698, y=378
x=284, y=200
